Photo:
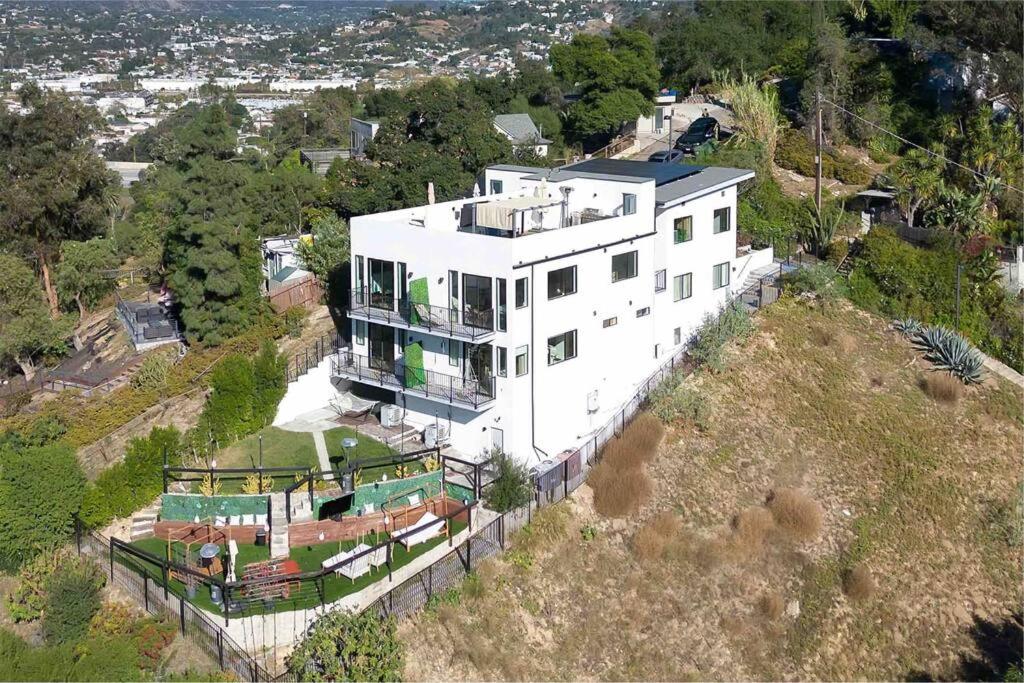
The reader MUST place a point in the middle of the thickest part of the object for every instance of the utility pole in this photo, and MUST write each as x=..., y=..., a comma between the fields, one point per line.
x=959, y=268
x=817, y=152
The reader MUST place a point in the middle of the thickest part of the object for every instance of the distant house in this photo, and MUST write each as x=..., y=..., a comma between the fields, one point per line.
x=522, y=132
x=130, y=171
x=664, y=109
x=319, y=160
x=280, y=262
x=360, y=135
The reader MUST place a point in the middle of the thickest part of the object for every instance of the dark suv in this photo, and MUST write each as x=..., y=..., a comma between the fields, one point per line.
x=700, y=131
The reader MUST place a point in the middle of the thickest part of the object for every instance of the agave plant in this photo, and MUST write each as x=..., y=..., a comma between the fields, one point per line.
x=908, y=327
x=950, y=352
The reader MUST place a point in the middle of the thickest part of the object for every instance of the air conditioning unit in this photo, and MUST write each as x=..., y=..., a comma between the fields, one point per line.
x=435, y=435
x=390, y=415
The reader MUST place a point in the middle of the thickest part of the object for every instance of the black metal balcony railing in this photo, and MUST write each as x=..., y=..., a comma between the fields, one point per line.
x=471, y=324
x=397, y=375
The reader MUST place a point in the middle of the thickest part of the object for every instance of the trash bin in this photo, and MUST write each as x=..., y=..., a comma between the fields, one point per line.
x=261, y=536
x=215, y=594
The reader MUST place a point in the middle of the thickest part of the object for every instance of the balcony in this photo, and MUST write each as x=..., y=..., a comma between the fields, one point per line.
x=395, y=375
x=473, y=325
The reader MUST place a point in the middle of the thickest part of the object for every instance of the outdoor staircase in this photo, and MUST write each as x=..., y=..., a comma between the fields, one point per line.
x=407, y=434
x=143, y=522
x=301, y=507
x=846, y=265
x=278, y=526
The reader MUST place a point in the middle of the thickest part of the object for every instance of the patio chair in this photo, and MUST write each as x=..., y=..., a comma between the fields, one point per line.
x=219, y=521
x=248, y=520
x=425, y=529
x=356, y=568
x=235, y=520
x=334, y=559
x=379, y=557
x=414, y=499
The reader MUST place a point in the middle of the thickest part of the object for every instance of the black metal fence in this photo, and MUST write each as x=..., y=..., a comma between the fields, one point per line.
x=472, y=324
x=313, y=355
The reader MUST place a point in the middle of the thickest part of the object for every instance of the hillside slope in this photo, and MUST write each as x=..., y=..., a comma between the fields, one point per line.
x=918, y=494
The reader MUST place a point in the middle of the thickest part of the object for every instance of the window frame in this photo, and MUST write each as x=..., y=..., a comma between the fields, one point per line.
x=689, y=230
x=660, y=280
x=572, y=270
x=677, y=336
x=526, y=292
x=524, y=353
x=501, y=295
x=610, y=322
x=495, y=186
x=720, y=268
x=454, y=352
x=501, y=357
x=628, y=204
x=643, y=312
x=360, y=332
x=715, y=230
x=635, y=265
x=684, y=281
x=573, y=349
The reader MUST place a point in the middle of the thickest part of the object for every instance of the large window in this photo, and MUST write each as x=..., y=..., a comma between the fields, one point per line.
x=624, y=266
x=628, y=204
x=561, y=347
x=659, y=280
x=561, y=282
x=682, y=286
x=682, y=229
x=720, y=276
x=721, y=222
x=522, y=292
x=522, y=360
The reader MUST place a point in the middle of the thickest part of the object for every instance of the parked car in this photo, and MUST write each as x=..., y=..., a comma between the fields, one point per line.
x=701, y=131
x=666, y=156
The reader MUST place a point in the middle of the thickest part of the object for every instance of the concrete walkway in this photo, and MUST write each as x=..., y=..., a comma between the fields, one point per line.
x=322, y=455
x=1003, y=370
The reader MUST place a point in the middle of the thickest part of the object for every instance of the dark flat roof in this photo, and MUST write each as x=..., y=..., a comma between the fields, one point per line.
x=660, y=173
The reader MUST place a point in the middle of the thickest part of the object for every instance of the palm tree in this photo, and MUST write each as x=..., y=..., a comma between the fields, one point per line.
x=959, y=212
x=917, y=181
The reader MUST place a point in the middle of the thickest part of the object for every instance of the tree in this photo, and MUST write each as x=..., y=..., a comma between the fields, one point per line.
x=328, y=250
x=756, y=110
x=26, y=329
x=269, y=372
x=322, y=120
x=616, y=79
x=215, y=276
x=40, y=491
x=820, y=226
x=283, y=195
x=343, y=646
x=80, y=273
x=917, y=180
x=210, y=133
x=511, y=487
x=53, y=187
x=958, y=211
x=72, y=598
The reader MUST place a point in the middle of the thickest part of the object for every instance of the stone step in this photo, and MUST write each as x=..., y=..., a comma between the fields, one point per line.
x=278, y=526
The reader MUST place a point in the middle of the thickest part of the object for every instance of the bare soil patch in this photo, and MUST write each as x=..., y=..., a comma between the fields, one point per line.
x=914, y=496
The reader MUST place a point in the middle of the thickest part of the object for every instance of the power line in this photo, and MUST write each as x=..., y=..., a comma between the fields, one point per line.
x=923, y=149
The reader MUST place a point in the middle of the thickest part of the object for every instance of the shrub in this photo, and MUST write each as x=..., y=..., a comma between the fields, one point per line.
x=858, y=583
x=795, y=513
x=821, y=280
x=645, y=433
x=771, y=606
x=650, y=542
x=511, y=487
x=795, y=152
x=153, y=372
x=270, y=379
x=228, y=413
x=942, y=388
x=40, y=491
x=673, y=401
x=951, y=352
x=255, y=484
x=27, y=601
x=750, y=529
x=293, y=320
x=72, y=599
x=908, y=327
x=94, y=659
x=133, y=483
x=838, y=251
x=152, y=637
x=347, y=647
x=708, y=341
x=618, y=491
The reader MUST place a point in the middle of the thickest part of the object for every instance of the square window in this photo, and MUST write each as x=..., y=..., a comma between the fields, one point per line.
x=628, y=204
x=561, y=347
x=721, y=221
x=641, y=312
x=682, y=229
x=522, y=292
x=659, y=281
x=677, y=336
x=496, y=186
x=562, y=282
x=610, y=322
x=522, y=360
x=624, y=266
x=720, y=275
x=502, y=361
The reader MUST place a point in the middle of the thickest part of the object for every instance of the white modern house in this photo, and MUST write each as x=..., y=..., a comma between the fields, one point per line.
x=525, y=317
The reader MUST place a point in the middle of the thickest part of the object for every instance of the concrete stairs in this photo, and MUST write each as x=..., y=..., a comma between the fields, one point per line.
x=301, y=507
x=143, y=522
x=278, y=526
x=408, y=434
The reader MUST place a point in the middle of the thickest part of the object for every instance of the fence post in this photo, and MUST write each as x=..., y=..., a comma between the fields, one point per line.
x=145, y=588
x=430, y=580
x=163, y=570
x=78, y=535
x=181, y=611
x=111, y=559
x=220, y=648
x=565, y=479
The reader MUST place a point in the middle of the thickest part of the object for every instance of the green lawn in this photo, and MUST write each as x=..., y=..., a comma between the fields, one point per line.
x=297, y=449
x=309, y=559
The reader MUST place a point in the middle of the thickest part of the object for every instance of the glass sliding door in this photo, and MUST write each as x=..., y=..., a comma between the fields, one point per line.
x=381, y=347
x=477, y=309
x=382, y=284
x=478, y=366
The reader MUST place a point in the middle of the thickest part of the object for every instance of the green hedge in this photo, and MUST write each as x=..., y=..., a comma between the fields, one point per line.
x=185, y=507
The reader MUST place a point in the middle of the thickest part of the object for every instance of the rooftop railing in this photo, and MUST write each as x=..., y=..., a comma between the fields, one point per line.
x=397, y=375
x=470, y=323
